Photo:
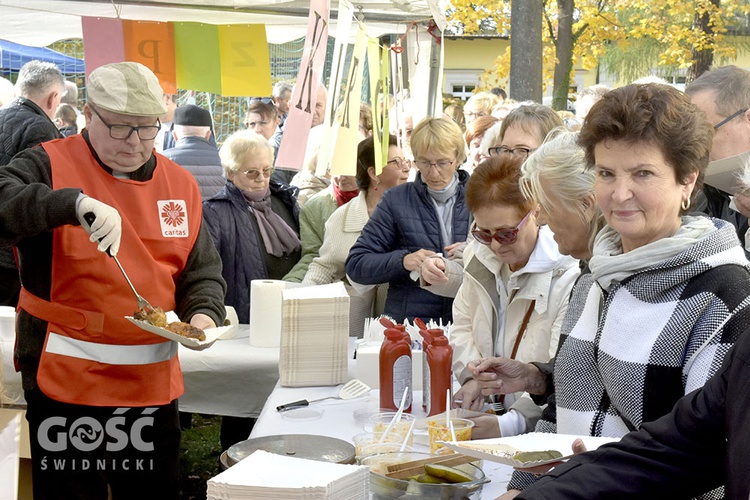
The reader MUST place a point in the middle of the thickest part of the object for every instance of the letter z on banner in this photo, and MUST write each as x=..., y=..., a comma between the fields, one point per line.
x=305, y=93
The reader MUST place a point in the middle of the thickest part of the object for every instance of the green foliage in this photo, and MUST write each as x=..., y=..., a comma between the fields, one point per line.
x=199, y=456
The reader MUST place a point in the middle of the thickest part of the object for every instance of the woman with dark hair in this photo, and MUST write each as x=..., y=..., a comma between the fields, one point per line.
x=345, y=225
x=667, y=295
x=515, y=287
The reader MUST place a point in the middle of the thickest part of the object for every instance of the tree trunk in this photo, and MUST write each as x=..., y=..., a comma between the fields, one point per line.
x=526, y=50
x=564, y=53
x=702, y=59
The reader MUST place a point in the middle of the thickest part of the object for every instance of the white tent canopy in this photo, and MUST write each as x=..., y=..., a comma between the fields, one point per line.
x=41, y=22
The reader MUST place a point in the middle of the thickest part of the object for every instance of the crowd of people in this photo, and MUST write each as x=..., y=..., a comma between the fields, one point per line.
x=595, y=285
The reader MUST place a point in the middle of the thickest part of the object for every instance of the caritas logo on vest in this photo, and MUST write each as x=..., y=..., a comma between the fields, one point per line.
x=70, y=440
x=173, y=218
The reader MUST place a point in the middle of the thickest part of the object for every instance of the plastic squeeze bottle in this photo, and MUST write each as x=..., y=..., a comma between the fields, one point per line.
x=395, y=371
x=426, y=340
x=440, y=363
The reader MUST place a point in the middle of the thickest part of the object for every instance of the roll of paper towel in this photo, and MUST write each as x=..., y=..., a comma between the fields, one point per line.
x=265, y=311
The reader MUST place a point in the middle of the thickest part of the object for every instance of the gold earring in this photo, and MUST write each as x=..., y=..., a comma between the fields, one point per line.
x=685, y=204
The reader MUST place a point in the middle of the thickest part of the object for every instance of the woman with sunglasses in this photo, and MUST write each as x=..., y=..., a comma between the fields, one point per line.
x=515, y=286
x=345, y=225
x=667, y=295
x=254, y=222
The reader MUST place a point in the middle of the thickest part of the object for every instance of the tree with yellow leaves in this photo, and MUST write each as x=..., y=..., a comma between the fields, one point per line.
x=626, y=38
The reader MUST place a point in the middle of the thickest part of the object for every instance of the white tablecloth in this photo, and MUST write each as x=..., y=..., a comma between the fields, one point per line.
x=337, y=421
x=229, y=378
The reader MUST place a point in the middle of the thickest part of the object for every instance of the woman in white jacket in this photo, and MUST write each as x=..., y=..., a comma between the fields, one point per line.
x=515, y=287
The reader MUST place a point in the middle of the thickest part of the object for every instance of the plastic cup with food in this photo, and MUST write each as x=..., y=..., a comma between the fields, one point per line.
x=437, y=430
x=365, y=439
x=380, y=422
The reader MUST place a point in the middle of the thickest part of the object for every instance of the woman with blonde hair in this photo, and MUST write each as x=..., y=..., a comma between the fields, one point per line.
x=254, y=222
x=415, y=221
x=478, y=105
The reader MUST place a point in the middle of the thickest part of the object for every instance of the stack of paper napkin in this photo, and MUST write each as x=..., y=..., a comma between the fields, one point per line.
x=264, y=475
x=314, y=336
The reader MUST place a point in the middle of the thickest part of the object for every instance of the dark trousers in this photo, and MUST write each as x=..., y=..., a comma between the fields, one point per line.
x=82, y=452
x=235, y=429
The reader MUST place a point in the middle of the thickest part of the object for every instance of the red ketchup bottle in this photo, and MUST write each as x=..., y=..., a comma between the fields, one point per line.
x=395, y=371
x=440, y=363
x=426, y=339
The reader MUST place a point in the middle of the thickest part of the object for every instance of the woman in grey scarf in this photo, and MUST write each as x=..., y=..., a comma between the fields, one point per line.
x=667, y=294
x=415, y=221
x=254, y=222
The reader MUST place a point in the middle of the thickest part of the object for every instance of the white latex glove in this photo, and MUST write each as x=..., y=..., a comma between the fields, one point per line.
x=106, y=229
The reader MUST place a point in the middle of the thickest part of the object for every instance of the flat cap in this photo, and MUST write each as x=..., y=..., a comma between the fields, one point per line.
x=128, y=88
x=192, y=115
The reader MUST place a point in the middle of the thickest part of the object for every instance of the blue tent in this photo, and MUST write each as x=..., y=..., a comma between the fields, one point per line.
x=14, y=55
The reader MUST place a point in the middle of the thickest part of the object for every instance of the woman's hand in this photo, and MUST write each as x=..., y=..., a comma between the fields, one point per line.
x=485, y=427
x=413, y=261
x=506, y=376
x=454, y=250
x=433, y=271
x=469, y=396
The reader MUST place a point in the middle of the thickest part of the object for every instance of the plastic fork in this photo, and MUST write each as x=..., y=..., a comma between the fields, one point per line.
x=352, y=389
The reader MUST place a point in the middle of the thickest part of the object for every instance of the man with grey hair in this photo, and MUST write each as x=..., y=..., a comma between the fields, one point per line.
x=282, y=94
x=724, y=95
x=25, y=122
x=84, y=366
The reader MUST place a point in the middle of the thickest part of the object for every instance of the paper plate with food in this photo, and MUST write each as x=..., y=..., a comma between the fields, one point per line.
x=168, y=325
x=526, y=450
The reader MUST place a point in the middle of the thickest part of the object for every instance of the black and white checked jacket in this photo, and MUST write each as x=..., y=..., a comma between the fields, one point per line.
x=627, y=354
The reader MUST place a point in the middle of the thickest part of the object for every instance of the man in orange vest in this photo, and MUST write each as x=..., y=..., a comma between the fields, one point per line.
x=101, y=392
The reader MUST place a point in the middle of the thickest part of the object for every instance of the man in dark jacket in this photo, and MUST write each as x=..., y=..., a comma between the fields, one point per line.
x=724, y=95
x=193, y=149
x=24, y=123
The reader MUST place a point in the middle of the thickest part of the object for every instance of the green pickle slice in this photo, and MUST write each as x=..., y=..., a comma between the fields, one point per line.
x=447, y=474
x=536, y=456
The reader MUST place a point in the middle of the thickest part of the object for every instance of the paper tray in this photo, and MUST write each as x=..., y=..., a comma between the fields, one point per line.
x=532, y=441
x=212, y=334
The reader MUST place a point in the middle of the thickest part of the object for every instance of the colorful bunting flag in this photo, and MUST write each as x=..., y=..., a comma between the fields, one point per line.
x=305, y=93
x=230, y=60
x=346, y=126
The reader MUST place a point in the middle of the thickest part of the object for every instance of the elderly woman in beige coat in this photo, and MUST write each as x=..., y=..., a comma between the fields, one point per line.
x=345, y=225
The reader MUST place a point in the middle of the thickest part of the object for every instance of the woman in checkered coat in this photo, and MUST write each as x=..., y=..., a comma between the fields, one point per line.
x=667, y=295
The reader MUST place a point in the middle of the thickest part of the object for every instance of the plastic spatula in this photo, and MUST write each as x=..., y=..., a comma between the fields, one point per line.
x=352, y=389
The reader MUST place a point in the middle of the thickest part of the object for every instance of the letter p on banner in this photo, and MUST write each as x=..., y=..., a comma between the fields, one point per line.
x=152, y=44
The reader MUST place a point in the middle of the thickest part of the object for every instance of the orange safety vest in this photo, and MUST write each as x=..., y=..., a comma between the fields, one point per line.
x=92, y=355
